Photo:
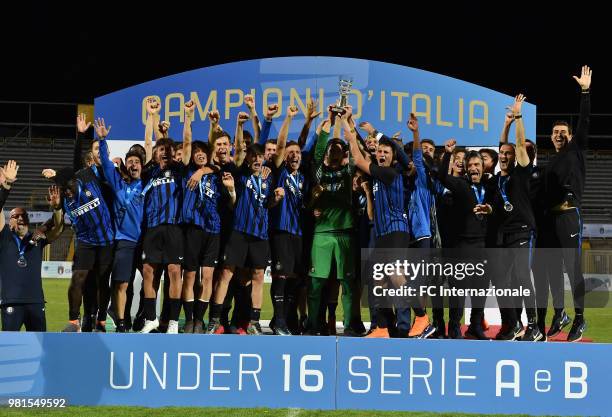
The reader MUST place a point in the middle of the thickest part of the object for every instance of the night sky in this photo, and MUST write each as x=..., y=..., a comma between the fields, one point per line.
x=74, y=56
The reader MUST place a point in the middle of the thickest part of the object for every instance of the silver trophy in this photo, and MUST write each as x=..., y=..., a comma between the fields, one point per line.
x=345, y=83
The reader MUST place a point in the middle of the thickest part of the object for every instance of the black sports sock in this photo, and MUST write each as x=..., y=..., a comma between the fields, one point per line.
x=188, y=308
x=199, y=310
x=165, y=311
x=419, y=312
x=558, y=312
x=149, y=308
x=215, y=311
x=381, y=318
x=255, y=313
x=278, y=300
x=331, y=309
x=518, y=313
x=504, y=316
x=531, y=315
x=438, y=314
x=175, y=308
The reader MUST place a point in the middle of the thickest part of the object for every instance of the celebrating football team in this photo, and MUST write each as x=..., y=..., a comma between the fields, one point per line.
x=206, y=217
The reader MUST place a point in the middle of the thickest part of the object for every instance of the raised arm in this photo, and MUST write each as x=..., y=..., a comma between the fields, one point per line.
x=322, y=139
x=417, y=153
x=55, y=202
x=239, y=142
x=156, y=123
x=508, y=120
x=249, y=100
x=82, y=126
x=448, y=181
x=281, y=142
x=111, y=174
x=213, y=118
x=582, y=132
x=369, y=129
x=337, y=126
x=522, y=158
x=413, y=126
x=267, y=124
x=153, y=108
x=311, y=114
x=189, y=111
x=8, y=175
x=349, y=134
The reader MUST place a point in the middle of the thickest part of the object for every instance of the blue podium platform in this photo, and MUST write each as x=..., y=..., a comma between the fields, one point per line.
x=307, y=372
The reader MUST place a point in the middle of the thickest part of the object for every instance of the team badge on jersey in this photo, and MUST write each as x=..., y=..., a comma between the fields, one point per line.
x=87, y=193
x=264, y=186
x=167, y=174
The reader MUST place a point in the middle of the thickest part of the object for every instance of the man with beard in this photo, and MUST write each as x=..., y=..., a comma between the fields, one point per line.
x=516, y=228
x=473, y=199
x=286, y=240
x=332, y=242
x=390, y=218
x=564, y=185
x=22, y=302
x=447, y=228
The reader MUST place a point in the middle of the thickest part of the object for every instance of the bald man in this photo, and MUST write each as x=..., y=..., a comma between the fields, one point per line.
x=22, y=300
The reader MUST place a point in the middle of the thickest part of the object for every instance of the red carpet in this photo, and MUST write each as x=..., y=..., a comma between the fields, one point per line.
x=561, y=337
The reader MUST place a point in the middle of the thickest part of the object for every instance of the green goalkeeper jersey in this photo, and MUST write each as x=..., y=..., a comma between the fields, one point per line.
x=335, y=203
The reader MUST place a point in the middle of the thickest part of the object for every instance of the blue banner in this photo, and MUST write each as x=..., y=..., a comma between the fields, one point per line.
x=307, y=372
x=383, y=94
x=162, y=370
x=474, y=376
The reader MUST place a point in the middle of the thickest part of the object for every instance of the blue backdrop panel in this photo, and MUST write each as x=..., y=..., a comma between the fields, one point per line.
x=383, y=94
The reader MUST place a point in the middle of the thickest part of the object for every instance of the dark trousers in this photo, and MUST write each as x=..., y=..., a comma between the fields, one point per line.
x=469, y=250
x=561, y=241
x=515, y=269
x=32, y=316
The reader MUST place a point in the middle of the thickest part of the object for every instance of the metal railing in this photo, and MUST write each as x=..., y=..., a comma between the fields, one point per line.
x=28, y=119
